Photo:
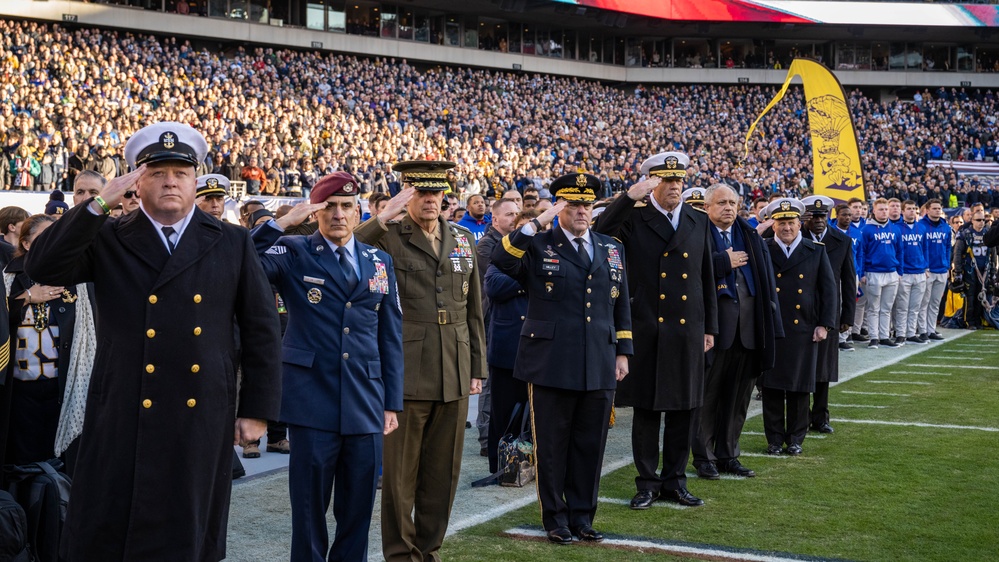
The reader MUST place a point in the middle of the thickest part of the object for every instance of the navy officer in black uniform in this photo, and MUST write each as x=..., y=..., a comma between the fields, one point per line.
x=806, y=294
x=342, y=366
x=574, y=348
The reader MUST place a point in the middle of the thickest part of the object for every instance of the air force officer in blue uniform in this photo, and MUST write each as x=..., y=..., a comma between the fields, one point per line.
x=343, y=370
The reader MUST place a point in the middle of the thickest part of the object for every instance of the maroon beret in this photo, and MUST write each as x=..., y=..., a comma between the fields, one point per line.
x=337, y=183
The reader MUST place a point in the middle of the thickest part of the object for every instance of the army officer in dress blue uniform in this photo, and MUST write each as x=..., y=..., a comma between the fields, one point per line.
x=342, y=366
x=806, y=294
x=574, y=347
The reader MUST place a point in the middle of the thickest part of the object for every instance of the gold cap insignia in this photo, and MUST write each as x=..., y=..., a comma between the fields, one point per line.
x=671, y=162
x=212, y=182
x=785, y=205
x=168, y=140
x=581, y=180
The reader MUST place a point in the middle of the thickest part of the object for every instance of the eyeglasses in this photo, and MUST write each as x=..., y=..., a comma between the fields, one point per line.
x=977, y=220
x=131, y=194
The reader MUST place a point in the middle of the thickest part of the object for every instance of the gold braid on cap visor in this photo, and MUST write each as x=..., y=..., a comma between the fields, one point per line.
x=576, y=194
x=668, y=173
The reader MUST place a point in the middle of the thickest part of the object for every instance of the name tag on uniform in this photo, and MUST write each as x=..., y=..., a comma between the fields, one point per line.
x=314, y=280
x=550, y=266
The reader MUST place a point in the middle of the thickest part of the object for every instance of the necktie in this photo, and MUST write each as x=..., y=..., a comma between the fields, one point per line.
x=348, y=270
x=728, y=244
x=583, y=255
x=168, y=231
x=788, y=251
x=669, y=215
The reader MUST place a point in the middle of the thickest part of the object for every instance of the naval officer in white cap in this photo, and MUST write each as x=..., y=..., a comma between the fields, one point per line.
x=154, y=471
x=212, y=189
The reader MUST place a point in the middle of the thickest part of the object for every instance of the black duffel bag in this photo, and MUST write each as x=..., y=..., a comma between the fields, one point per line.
x=42, y=489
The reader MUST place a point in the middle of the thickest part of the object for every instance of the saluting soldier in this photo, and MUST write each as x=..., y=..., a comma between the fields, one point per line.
x=674, y=310
x=839, y=250
x=444, y=359
x=154, y=470
x=342, y=366
x=806, y=293
x=574, y=348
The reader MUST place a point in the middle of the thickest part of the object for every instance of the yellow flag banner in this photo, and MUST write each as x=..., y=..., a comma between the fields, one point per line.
x=836, y=160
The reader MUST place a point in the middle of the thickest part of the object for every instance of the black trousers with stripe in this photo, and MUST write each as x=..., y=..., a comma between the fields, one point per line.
x=570, y=432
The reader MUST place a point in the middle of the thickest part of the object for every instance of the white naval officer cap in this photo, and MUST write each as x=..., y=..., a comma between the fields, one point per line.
x=694, y=197
x=166, y=142
x=213, y=184
x=666, y=165
x=818, y=204
x=783, y=208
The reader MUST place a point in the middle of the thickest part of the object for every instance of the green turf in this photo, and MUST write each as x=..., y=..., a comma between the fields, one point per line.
x=867, y=492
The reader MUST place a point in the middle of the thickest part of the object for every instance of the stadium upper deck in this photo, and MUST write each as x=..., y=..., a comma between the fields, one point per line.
x=871, y=44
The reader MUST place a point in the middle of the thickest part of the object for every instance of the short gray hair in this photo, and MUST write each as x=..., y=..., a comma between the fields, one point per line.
x=715, y=187
x=89, y=174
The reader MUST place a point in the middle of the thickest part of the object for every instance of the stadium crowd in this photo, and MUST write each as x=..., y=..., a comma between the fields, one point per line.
x=279, y=119
x=76, y=116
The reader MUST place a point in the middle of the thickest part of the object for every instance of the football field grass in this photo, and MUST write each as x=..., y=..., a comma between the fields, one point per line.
x=911, y=473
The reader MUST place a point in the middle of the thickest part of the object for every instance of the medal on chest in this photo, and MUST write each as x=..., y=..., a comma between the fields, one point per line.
x=379, y=282
x=314, y=295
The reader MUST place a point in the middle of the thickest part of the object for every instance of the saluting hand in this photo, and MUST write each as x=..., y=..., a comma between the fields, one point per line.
x=299, y=214
x=620, y=367
x=115, y=190
x=763, y=226
x=643, y=188
x=549, y=215
x=396, y=204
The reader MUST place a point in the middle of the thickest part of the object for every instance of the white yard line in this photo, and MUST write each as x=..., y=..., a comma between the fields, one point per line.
x=919, y=373
x=874, y=393
x=900, y=382
x=810, y=436
x=704, y=552
x=919, y=424
x=952, y=358
x=952, y=366
x=856, y=406
x=619, y=501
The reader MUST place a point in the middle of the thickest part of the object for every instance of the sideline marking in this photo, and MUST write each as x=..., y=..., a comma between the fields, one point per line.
x=766, y=456
x=952, y=366
x=893, y=360
x=874, y=393
x=900, y=382
x=919, y=373
x=920, y=424
x=669, y=505
x=952, y=358
x=856, y=406
x=684, y=549
x=810, y=436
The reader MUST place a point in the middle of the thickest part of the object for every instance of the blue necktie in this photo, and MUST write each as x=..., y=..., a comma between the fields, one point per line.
x=348, y=270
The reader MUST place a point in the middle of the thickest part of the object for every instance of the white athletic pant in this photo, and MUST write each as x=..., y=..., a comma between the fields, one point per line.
x=881, y=289
x=936, y=284
x=908, y=303
x=859, y=319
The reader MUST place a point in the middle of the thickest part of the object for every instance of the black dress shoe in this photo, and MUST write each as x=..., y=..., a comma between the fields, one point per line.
x=560, y=535
x=587, y=533
x=644, y=499
x=708, y=471
x=935, y=336
x=773, y=449
x=823, y=428
x=682, y=497
x=794, y=450
x=735, y=467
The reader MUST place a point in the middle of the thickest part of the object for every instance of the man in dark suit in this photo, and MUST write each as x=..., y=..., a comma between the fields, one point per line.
x=444, y=347
x=807, y=293
x=674, y=309
x=574, y=349
x=342, y=366
x=748, y=324
x=168, y=277
x=839, y=250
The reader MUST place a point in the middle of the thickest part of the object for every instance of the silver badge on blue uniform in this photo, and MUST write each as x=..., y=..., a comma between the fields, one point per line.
x=314, y=295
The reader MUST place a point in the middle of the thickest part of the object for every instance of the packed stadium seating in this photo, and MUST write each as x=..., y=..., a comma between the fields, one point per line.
x=72, y=91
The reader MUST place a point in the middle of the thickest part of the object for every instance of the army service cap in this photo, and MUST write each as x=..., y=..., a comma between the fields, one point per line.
x=425, y=175
x=576, y=188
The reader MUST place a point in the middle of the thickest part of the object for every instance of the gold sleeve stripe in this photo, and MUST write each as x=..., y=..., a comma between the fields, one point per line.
x=515, y=252
x=4, y=355
x=624, y=335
